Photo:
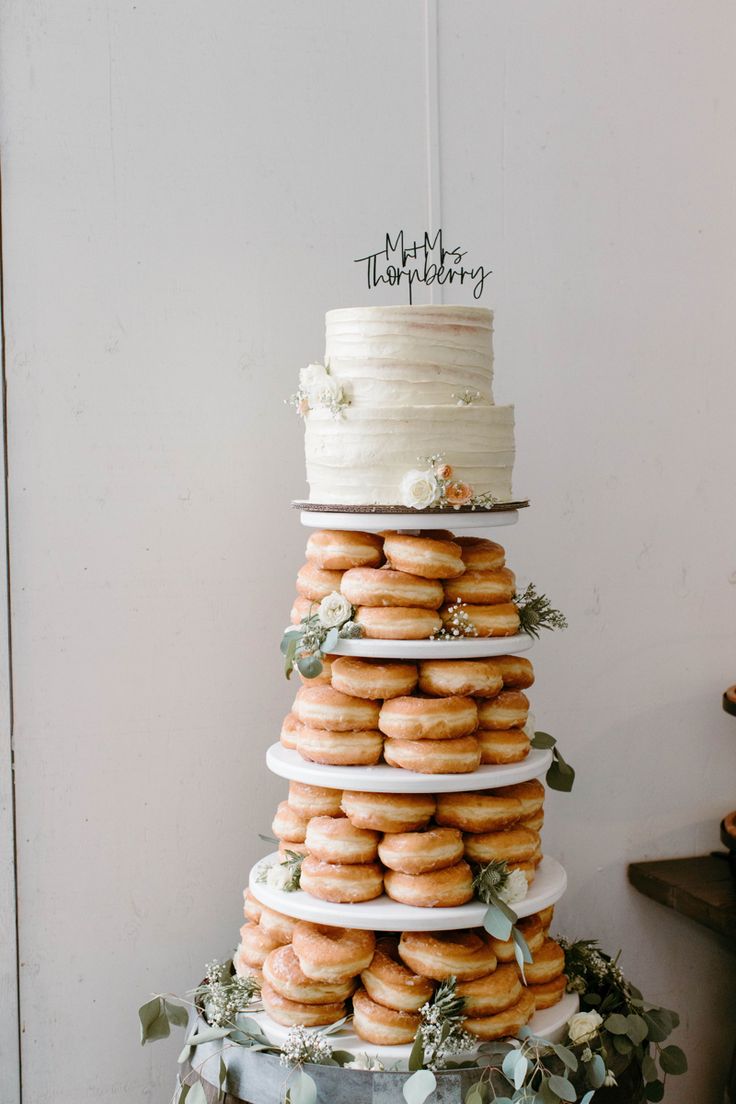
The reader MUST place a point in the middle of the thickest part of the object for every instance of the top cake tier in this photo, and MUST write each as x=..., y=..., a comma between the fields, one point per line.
x=402, y=411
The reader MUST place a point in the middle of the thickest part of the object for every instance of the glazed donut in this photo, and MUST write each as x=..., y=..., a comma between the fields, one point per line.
x=509, y=745
x=499, y=620
x=421, y=718
x=388, y=812
x=509, y=709
x=243, y=970
x=549, y=993
x=297, y=1014
x=370, y=678
x=453, y=885
x=389, y=982
x=418, y=852
x=325, y=675
x=290, y=730
x=302, y=608
x=487, y=811
x=315, y=584
x=332, y=954
x=533, y=932
x=325, y=707
x=480, y=554
x=482, y=588
x=397, y=622
x=256, y=944
x=503, y=1024
x=314, y=800
x=528, y=868
x=372, y=586
x=251, y=907
x=517, y=672
x=450, y=677
x=380, y=1025
x=535, y=821
x=277, y=924
x=336, y=840
x=338, y=549
x=548, y=963
x=288, y=824
x=464, y=955
x=361, y=748
x=425, y=556
x=511, y=845
x=343, y=883
x=531, y=795
x=458, y=756
x=283, y=973
x=545, y=917
x=491, y=993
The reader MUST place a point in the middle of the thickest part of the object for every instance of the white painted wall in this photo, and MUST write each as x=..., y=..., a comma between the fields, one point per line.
x=185, y=186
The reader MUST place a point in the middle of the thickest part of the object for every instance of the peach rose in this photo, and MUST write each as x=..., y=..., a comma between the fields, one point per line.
x=458, y=494
x=444, y=471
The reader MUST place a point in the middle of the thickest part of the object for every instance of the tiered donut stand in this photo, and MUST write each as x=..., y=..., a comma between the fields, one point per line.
x=256, y=1076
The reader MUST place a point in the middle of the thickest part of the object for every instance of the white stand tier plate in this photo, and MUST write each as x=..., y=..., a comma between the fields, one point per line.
x=549, y=1024
x=383, y=914
x=369, y=522
x=385, y=779
x=481, y=647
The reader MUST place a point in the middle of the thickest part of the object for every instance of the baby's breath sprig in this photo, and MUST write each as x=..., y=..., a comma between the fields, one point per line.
x=223, y=995
x=536, y=612
x=458, y=625
x=302, y=1045
x=467, y=397
x=440, y=1034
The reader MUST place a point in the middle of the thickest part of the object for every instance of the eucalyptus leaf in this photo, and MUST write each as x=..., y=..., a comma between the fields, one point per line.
x=302, y=1088
x=560, y=778
x=330, y=640
x=649, y=1068
x=474, y=1095
x=208, y=1035
x=416, y=1057
x=342, y=1057
x=196, y=1094
x=419, y=1087
x=622, y=1044
x=184, y=1055
x=563, y=1088
x=587, y=1098
x=543, y=740
x=566, y=1056
x=596, y=1071
x=519, y=956
x=154, y=1021
x=638, y=1029
x=508, y=1066
x=176, y=1013
x=654, y=1091
x=333, y=1027
x=222, y=1075
x=496, y=924
x=310, y=666
x=616, y=1024
x=522, y=945
x=658, y=1023
x=672, y=1060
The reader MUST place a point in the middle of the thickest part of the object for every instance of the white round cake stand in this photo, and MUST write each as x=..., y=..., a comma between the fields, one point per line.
x=481, y=647
x=370, y=522
x=383, y=914
x=385, y=779
x=549, y=1024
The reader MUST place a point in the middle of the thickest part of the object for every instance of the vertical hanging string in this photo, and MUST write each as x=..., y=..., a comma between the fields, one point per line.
x=431, y=49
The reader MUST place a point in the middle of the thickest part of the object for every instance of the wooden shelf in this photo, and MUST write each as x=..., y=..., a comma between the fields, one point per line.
x=702, y=888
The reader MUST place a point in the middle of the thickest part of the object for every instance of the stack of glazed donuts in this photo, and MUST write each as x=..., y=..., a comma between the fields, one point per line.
x=407, y=587
x=440, y=716
x=417, y=848
x=308, y=972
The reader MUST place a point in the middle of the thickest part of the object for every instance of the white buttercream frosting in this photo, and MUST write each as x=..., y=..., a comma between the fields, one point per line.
x=405, y=371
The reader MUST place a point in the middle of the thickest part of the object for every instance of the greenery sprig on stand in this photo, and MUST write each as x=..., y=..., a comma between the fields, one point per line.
x=536, y=612
x=440, y=1034
x=499, y=888
x=305, y=645
x=560, y=775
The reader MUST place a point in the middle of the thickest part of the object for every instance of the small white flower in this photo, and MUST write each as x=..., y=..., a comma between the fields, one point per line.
x=365, y=1062
x=334, y=610
x=515, y=888
x=609, y=1080
x=420, y=489
x=313, y=378
x=583, y=1026
x=279, y=875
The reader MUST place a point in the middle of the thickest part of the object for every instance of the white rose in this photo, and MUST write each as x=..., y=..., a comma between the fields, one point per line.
x=329, y=390
x=278, y=876
x=583, y=1026
x=531, y=725
x=334, y=610
x=313, y=378
x=515, y=888
x=365, y=1062
x=419, y=489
